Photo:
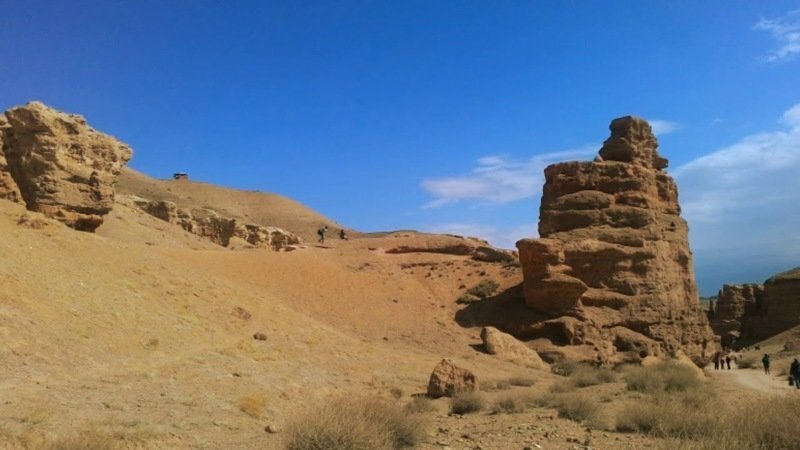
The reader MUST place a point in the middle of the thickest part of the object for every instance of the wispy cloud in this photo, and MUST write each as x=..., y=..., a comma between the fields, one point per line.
x=662, y=127
x=786, y=32
x=741, y=200
x=499, y=179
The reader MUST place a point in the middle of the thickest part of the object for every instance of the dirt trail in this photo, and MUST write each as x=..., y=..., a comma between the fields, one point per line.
x=753, y=379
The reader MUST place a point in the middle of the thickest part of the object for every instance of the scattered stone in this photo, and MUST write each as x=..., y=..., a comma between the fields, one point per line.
x=447, y=380
x=272, y=429
x=242, y=313
x=260, y=336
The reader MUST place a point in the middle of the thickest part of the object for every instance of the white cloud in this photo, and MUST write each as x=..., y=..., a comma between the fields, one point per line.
x=741, y=200
x=498, y=179
x=786, y=31
x=502, y=237
x=662, y=127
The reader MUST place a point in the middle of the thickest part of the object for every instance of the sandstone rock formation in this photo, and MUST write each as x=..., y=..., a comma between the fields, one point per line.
x=734, y=302
x=59, y=165
x=495, y=342
x=223, y=231
x=8, y=188
x=447, y=380
x=613, y=267
x=778, y=310
x=477, y=249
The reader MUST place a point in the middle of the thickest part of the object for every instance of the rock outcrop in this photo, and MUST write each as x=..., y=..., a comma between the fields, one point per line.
x=734, y=302
x=495, y=342
x=223, y=231
x=477, y=249
x=778, y=310
x=59, y=165
x=613, y=267
x=447, y=380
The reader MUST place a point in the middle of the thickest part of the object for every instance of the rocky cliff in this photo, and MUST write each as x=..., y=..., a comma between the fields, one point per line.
x=613, y=267
x=223, y=231
x=57, y=165
x=734, y=302
x=779, y=309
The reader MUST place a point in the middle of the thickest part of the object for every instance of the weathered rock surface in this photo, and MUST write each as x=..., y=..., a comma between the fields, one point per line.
x=60, y=166
x=223, y=231
x=477, y=249
x=778, y=310
x=495, y=342
x=733, y=303
x=447, y=380
x=8, y=187
x=613, y=267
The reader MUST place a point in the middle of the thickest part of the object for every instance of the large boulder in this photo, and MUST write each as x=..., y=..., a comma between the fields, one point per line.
x=612, y=267
x=495, y=342
x=61, y=166
x=447, y=380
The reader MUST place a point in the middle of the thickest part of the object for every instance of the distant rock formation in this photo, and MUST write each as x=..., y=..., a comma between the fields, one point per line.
x=58, y=165
x=447, y=244
x=223, y=231
x=734, y=302
x=613, y=267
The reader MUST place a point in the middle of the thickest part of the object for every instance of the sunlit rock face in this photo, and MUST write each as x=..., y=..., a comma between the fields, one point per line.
x=612, y=266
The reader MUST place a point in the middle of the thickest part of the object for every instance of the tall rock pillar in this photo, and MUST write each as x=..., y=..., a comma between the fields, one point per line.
x=612, y=266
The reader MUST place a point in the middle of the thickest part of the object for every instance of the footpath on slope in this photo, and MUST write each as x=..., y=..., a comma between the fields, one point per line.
x=753, y=379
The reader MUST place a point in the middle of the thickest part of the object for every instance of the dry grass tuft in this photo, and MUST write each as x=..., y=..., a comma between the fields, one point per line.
x=467, y=402
x=666, y=376
x=522, y=381
x=581, y=375
x=420, y=405
x=358, y=423
x=495, y=385
x=577, y=406
x=512, y=404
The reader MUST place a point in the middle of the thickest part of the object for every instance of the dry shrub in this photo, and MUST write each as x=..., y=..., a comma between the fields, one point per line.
x=581, y=375
x=667, y=376
x=512, y=404
x=419, y=405
x=396, y=392
x=495, y=385
x=522, y=381
x=467, y=402
x=690, y=415
x=564, y=368
x=355, y=423
x=577, y=406
x=483, y=289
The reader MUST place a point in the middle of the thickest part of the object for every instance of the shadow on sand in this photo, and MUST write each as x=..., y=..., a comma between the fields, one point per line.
x=505, y=311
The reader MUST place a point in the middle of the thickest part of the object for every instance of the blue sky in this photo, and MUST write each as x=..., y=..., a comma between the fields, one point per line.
x=438, y=115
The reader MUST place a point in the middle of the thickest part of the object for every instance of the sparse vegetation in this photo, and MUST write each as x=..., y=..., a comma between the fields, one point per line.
x=666, y=376
x=420, y=404
x=578, y=406
x=479, y=292
x=564, y=368
x=355, y=423
x=582, y=375
x=512, y=404
x=467, y=402
x=522, y=381
x=396, y=392
x=495, y=385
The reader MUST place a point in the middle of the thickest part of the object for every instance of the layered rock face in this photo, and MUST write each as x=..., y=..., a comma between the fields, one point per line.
x=779, y=310
x=734, y=302
x=223, y=231
x=59, y=165
x=613, y=267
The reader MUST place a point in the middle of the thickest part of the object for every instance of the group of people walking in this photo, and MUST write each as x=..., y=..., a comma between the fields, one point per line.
x=721, y=361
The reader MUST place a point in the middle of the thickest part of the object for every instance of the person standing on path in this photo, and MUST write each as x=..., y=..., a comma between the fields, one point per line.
x=728, y=361
x=321, y=233
x=794, y=372
x=765, y=362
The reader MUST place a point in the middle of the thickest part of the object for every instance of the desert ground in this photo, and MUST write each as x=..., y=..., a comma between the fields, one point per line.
x=141, y=335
